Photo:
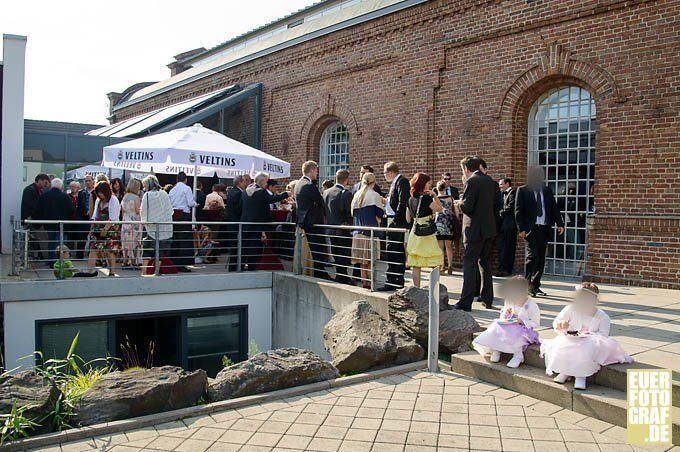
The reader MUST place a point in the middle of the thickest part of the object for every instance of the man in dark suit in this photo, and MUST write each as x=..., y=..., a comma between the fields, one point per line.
x=53, y=205
x=395, y=209
x=366, y=169
x=256, y=209
x=536, y=213
x=234, y=212
x=310, y=213
x=479, y=229
x=29, y=202
x=451, y=189
x=507, y=240
x=338, y=201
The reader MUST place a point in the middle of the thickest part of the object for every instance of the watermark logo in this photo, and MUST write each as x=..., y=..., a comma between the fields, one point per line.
x=649, y=406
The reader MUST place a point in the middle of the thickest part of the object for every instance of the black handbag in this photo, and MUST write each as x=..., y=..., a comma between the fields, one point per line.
x=423, y=229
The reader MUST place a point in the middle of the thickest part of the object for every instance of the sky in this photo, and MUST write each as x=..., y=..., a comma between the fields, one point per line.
x=78, y=51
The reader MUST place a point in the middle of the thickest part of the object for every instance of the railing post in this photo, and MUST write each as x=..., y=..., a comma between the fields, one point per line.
x=239, y=247
x=15, y=247
x=157, y=253
x=373, y=272
x=27, y=238
x=297, y=252
x=61, y=254
x=433, y=327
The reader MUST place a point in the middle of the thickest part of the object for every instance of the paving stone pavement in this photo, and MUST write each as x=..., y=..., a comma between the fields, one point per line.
x=415, y=411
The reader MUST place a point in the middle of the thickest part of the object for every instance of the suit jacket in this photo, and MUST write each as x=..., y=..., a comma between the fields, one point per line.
x=399, y=195
x=477, y=205
x=54, y=205
x=455, y=194
x=234, y=204
x=338, y=201
x=507, y=214
x=310, y=204
x=29, y=201
x=256, y=201
x=526, y=208
x=81, y=206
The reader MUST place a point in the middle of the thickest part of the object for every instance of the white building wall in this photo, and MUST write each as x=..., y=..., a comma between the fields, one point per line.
x=27, y=302
x=13, y=62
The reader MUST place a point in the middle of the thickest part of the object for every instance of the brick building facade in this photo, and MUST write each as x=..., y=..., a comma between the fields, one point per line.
x=429, y=84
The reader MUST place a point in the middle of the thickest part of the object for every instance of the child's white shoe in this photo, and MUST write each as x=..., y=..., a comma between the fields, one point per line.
x=495, y=356
x=580, y=383
x=561, y=378
x=516, y=360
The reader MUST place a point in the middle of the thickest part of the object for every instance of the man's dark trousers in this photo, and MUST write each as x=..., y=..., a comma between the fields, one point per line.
x=537, y=242
x=317, y=246
x=507, y=245
x=476, y=260
x=341, y=247
x=396, y=257
x=182, y=242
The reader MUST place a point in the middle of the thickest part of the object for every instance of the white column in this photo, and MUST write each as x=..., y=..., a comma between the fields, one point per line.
x=13, y=71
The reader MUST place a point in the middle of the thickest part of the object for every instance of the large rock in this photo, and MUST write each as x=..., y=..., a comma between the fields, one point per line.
x=276, y=369
x=132, y=393
x=409, y=311
x=28, y=389
x=358, y=339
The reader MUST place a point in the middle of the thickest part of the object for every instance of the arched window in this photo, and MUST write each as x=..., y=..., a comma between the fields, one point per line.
x=333, y=150
x=562, y=141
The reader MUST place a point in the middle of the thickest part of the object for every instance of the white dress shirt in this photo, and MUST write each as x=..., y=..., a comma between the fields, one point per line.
x=543, y=219
x=388, y=209
x=181, y=197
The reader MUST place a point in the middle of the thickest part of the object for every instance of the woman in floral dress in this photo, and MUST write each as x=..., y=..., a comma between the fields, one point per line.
x=104, y=237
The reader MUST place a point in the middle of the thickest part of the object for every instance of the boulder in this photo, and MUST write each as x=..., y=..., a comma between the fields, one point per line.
x=137, y=392
x=409, y=311
x=269, y=371
x=359, y=339
x=29, y=389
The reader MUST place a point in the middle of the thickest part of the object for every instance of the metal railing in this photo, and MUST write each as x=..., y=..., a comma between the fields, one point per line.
x=372, y=257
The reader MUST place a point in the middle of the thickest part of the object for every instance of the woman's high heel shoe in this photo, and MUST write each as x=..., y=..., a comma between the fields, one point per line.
x=450, y=270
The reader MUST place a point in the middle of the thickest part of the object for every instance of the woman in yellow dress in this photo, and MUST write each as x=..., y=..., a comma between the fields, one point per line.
x=423, y=250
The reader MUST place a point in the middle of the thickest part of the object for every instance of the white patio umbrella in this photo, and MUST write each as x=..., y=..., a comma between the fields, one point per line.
x=194, y=150
x=92, y=170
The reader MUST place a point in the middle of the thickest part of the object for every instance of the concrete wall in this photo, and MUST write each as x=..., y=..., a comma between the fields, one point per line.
x=27, y=302
x=303, y=305
x=13, y=60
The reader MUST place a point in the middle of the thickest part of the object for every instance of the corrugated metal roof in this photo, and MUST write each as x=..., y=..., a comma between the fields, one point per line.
x=359, y=11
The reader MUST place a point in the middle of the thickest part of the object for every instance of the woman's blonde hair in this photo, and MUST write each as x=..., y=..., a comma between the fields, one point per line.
x=101, y=177
x=366, y=180
x=133, y=186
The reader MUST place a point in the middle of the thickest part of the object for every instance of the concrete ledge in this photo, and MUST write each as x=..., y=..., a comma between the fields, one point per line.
x=525, y=379
x=175, y=415
x=12, y=291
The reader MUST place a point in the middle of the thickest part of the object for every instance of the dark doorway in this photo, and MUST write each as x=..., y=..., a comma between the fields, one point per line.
x=149, y=341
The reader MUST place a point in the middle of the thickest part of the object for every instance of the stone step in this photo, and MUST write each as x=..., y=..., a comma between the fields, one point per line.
x=612, y=376
x=600, y=402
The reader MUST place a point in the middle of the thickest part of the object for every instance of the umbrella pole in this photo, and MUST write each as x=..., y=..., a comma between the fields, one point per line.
x=193, y=209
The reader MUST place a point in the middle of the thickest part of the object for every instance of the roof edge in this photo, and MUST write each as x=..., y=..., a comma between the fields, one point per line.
x=284, y=45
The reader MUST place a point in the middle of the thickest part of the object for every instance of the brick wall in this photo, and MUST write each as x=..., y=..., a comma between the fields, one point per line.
x=428, y=85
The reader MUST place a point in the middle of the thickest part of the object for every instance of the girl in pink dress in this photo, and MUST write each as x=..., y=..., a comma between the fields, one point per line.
x=513, y=331
x=582, y=343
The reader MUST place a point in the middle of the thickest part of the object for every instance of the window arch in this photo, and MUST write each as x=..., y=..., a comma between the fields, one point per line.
x=562, y=141
x=333, y=150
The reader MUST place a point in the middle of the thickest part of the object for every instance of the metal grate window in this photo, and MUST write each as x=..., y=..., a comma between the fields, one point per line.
x=562, y=141
x=333, y=151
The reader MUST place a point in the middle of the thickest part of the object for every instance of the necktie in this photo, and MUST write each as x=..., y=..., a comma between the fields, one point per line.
x=539, y=205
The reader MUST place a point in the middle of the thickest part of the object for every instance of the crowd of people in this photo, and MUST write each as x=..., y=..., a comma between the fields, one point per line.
x=417, y=222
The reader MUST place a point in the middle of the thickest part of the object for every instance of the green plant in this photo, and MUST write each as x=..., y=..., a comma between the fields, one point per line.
x=226, y=361
x=73, y=376
x=131, y=358
x=15, y=425
x=253, y=349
